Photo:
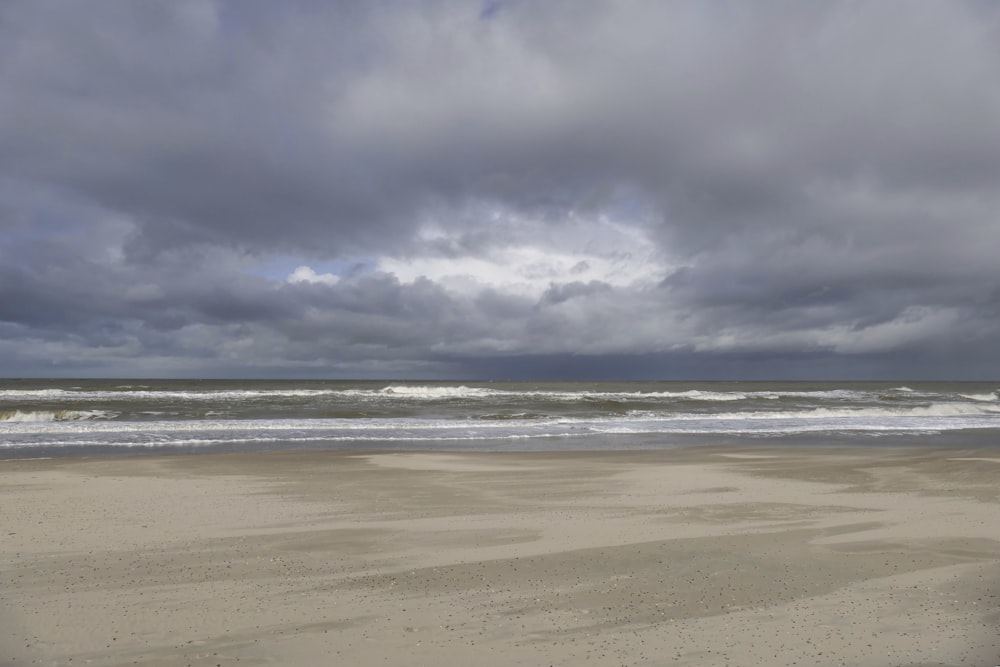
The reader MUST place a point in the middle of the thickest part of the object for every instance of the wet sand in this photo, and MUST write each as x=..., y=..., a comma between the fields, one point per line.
x=696, y=556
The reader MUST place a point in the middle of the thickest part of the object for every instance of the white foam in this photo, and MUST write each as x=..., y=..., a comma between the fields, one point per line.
x=265, y=436
x=428, y=392
x=991, y=397
x=156, y=395
x=888, y=413
x=700, y=395
x=407, y=392
x=41, y=416
x=932, y=410
x=8, y=394
x=251, y=425
x=697, y=395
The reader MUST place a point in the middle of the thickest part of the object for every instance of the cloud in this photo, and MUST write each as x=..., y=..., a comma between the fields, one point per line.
x=305, y=274
x=769, y=188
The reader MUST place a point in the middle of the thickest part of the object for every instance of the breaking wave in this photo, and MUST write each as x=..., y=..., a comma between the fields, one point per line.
x=433, y=393
x=935, y=410
x=36, y=416
x=406, y=392
x=993, y=396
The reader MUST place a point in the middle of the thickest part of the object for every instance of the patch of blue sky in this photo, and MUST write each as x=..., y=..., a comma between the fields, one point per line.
x=490, y=9
x=632, y=205
x=280, y=267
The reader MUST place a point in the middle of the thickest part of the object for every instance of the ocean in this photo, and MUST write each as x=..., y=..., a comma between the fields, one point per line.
x=90, y=417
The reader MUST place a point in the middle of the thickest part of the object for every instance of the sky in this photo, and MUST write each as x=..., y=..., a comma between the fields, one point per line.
x=569, y=189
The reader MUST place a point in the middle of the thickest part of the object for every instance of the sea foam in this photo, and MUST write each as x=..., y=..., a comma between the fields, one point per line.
x=37, y=416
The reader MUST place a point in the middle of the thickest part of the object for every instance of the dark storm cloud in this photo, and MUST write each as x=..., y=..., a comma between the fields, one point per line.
x=801, y=183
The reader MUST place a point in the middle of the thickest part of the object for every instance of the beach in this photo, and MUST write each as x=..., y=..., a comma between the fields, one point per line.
x=752, y=555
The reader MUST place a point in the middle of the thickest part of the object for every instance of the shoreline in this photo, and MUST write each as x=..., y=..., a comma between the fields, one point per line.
x=709, y=555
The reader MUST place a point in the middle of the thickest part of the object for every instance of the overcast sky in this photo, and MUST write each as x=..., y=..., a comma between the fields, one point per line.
x=506, y=189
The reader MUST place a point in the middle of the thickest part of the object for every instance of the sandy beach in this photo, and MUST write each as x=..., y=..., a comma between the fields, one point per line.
x=695, y=556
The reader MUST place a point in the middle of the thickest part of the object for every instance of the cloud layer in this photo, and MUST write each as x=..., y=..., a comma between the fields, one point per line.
x=502, y=189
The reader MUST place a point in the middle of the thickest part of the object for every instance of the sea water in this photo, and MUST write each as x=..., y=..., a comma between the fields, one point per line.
x=83, y=417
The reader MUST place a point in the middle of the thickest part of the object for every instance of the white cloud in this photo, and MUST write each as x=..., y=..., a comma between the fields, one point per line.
x=305, y=274
x=590, y=250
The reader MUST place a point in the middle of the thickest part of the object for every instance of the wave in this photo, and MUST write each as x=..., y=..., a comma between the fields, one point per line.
x=591, y=435
x=102, y=420
x=405, y=392
x=840, y=395
x=38, y=393
x=992, y=396
x=654, y=429
x=933, y=410
x=699, y=395
x=121, y=394
x=418, y=392
x=429, y=392
x=142, y=394
x=246, y=425
x=513, y=416
x=41, y=416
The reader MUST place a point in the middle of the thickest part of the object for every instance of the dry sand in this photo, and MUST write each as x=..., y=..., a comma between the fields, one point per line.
x=698, y=556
